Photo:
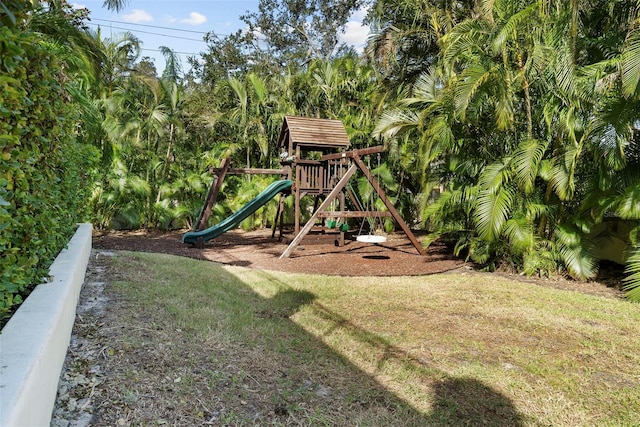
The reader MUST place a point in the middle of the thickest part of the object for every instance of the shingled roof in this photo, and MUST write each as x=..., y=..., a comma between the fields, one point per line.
x=313, y=134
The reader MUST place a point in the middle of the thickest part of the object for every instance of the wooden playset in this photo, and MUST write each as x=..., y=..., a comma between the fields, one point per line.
x=316, y=162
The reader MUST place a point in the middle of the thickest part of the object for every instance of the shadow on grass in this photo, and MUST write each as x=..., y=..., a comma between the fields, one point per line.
x=456, y=401
x=467, y=402
x=194, y=344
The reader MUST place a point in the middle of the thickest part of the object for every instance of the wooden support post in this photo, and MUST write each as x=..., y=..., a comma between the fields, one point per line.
x=358, y=161
x=342, y=207
x=280, y=212
x=332, y=195
x=279, y=217
x=354, y=200
x=296, y=195
x=213, y=194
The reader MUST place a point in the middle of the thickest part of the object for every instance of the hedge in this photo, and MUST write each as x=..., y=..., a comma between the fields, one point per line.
x=43, y=168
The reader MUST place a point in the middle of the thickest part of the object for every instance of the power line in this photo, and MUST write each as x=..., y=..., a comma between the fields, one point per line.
x=152, y=26
x=148, y=32
x=158, y=50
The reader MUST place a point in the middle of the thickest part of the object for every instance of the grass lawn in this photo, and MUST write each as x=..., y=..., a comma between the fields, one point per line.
x=191, y=342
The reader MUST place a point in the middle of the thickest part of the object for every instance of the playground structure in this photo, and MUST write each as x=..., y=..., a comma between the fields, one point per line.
x=316, y=162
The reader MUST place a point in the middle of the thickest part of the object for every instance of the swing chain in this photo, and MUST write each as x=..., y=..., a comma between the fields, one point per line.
x=373, y=237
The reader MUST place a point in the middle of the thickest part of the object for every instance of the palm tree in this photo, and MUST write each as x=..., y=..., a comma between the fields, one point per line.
x=249, y=114
x=507, y=121
x=405, y=34
x=116, y=5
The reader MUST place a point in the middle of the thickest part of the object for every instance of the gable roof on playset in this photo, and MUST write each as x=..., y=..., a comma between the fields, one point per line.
x=312, y=134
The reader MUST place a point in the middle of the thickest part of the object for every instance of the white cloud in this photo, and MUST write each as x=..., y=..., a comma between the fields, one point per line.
x=355, y=34
x=257, y=32
x=138, y=15
x=360, y=14
x=78, y=6
x=194, y=18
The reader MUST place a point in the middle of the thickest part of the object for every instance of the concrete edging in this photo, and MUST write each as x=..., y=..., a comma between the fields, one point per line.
x=34, y=343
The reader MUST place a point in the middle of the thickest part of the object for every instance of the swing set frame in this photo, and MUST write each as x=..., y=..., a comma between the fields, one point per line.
x=338, y=191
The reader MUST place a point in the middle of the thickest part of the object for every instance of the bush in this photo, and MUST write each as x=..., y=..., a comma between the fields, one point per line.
x=43, y=173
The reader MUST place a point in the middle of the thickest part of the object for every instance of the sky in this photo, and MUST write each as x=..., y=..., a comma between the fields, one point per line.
x=182, y=24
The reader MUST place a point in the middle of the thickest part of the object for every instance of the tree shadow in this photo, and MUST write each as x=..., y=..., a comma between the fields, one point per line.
x=469, y=402
x=456, y=401
x=286, y=303
x=247, y=360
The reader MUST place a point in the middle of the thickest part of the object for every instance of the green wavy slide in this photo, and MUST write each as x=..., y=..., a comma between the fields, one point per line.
x=233, y=220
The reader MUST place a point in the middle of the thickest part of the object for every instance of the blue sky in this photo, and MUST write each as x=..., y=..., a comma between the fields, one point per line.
x=181, y=25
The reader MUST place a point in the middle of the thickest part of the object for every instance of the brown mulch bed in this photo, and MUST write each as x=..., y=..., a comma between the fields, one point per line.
x=396, y=257
x=257, y=249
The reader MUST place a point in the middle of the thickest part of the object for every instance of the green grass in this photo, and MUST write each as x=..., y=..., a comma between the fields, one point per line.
x=257, y=347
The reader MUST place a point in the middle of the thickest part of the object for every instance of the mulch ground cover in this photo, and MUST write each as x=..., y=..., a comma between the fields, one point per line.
x=317, y=255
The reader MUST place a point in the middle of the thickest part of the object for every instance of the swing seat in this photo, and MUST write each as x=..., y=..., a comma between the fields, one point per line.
x=371, y=238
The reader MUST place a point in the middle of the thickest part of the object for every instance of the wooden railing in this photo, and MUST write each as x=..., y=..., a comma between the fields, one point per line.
x=319, y=177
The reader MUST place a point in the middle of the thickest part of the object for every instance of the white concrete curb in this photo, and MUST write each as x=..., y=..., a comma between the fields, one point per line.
x=33, y=344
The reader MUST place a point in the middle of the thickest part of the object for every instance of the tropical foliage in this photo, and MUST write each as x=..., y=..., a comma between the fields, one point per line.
x=527, y=122
x=511, y=125
x=43, y=164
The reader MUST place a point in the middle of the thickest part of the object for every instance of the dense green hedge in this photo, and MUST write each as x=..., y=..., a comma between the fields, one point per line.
x=43, y=181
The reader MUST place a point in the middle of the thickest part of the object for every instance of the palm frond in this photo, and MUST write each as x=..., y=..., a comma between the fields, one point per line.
x=461, y=41
x=526, y=162
x=116, y=5
x=472, y=78
x=495, y=176
x=562, y=180
x=425, y=89
x=394, y=122
x=259, y=87
x=519, y=232
x=503, y=106
x=576, y=252
x=632, y=281
x=565, y=73
x=511, y=26
x=631, y=61
x=479, y=251
x=447, y=202
x=437, y=139
x=491, y=212
x=628, y=206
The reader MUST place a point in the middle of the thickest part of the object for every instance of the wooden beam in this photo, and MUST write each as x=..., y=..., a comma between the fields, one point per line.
x=307, y=162
x=354, y=153
x=250, y=171
x=323, y=206
x=213, y=194
x=352, y=214
x=358, y=161
x=297, y=196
